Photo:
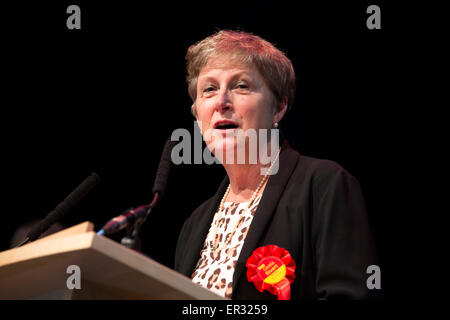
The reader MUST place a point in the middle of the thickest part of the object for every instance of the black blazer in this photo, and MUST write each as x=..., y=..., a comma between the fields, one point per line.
x=314, y=209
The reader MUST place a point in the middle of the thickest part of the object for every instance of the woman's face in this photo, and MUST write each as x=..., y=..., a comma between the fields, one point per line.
x=232, y=96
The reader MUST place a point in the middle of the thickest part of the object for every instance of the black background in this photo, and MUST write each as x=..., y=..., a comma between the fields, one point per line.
x=106, y=97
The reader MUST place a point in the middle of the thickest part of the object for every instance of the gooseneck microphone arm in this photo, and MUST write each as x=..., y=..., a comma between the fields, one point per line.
x=132, y=240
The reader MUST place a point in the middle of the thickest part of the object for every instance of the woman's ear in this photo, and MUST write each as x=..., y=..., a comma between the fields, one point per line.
x=194, y=110
x=280, y=110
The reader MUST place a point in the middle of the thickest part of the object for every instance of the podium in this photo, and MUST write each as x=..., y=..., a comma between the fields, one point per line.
x=107, y=270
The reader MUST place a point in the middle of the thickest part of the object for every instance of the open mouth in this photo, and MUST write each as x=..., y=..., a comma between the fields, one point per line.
x=224, y=125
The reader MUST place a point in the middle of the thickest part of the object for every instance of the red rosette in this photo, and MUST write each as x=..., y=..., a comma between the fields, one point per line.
x=272, y=268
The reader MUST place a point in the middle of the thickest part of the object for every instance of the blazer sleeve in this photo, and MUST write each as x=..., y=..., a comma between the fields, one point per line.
x=180, y=248
x=341, y=236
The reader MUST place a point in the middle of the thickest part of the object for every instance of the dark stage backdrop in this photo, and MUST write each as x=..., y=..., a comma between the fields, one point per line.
x=106, y=97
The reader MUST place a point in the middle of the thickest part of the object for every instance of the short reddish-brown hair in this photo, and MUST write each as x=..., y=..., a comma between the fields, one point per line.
x=273, y=65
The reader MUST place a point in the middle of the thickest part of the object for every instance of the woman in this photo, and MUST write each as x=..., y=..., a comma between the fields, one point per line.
x=301, y=232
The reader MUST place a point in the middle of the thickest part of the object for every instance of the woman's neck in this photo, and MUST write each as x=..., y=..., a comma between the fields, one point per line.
x=246, y=177
x=244, y=180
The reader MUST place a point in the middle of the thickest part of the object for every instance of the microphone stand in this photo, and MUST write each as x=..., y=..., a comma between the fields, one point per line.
x=132, y=239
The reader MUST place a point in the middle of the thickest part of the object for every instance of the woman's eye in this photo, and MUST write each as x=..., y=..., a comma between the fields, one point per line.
x=242, y=85
x=208, y=89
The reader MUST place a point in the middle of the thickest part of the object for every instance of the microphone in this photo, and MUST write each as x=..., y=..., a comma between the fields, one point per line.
x=129, y=217
x=139, y=214
x=162, y=174
x=65, y=206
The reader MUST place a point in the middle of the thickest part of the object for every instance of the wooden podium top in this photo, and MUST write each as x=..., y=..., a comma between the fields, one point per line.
x=109, y=270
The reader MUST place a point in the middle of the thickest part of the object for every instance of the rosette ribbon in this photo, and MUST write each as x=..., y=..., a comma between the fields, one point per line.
x=272, y=268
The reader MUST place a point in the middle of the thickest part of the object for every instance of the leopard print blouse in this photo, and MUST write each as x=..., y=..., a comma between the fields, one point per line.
x=214, y=269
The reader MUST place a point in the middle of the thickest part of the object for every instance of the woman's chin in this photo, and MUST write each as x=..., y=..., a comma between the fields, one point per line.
x=222, y=146
x=225, y=150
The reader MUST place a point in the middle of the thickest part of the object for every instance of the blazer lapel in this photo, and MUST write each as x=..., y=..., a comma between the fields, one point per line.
x=269, y=200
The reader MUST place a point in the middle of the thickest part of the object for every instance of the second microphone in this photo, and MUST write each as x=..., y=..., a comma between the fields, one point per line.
x=128, y=218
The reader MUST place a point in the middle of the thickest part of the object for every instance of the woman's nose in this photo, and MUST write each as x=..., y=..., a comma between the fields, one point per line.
x=223, y=102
